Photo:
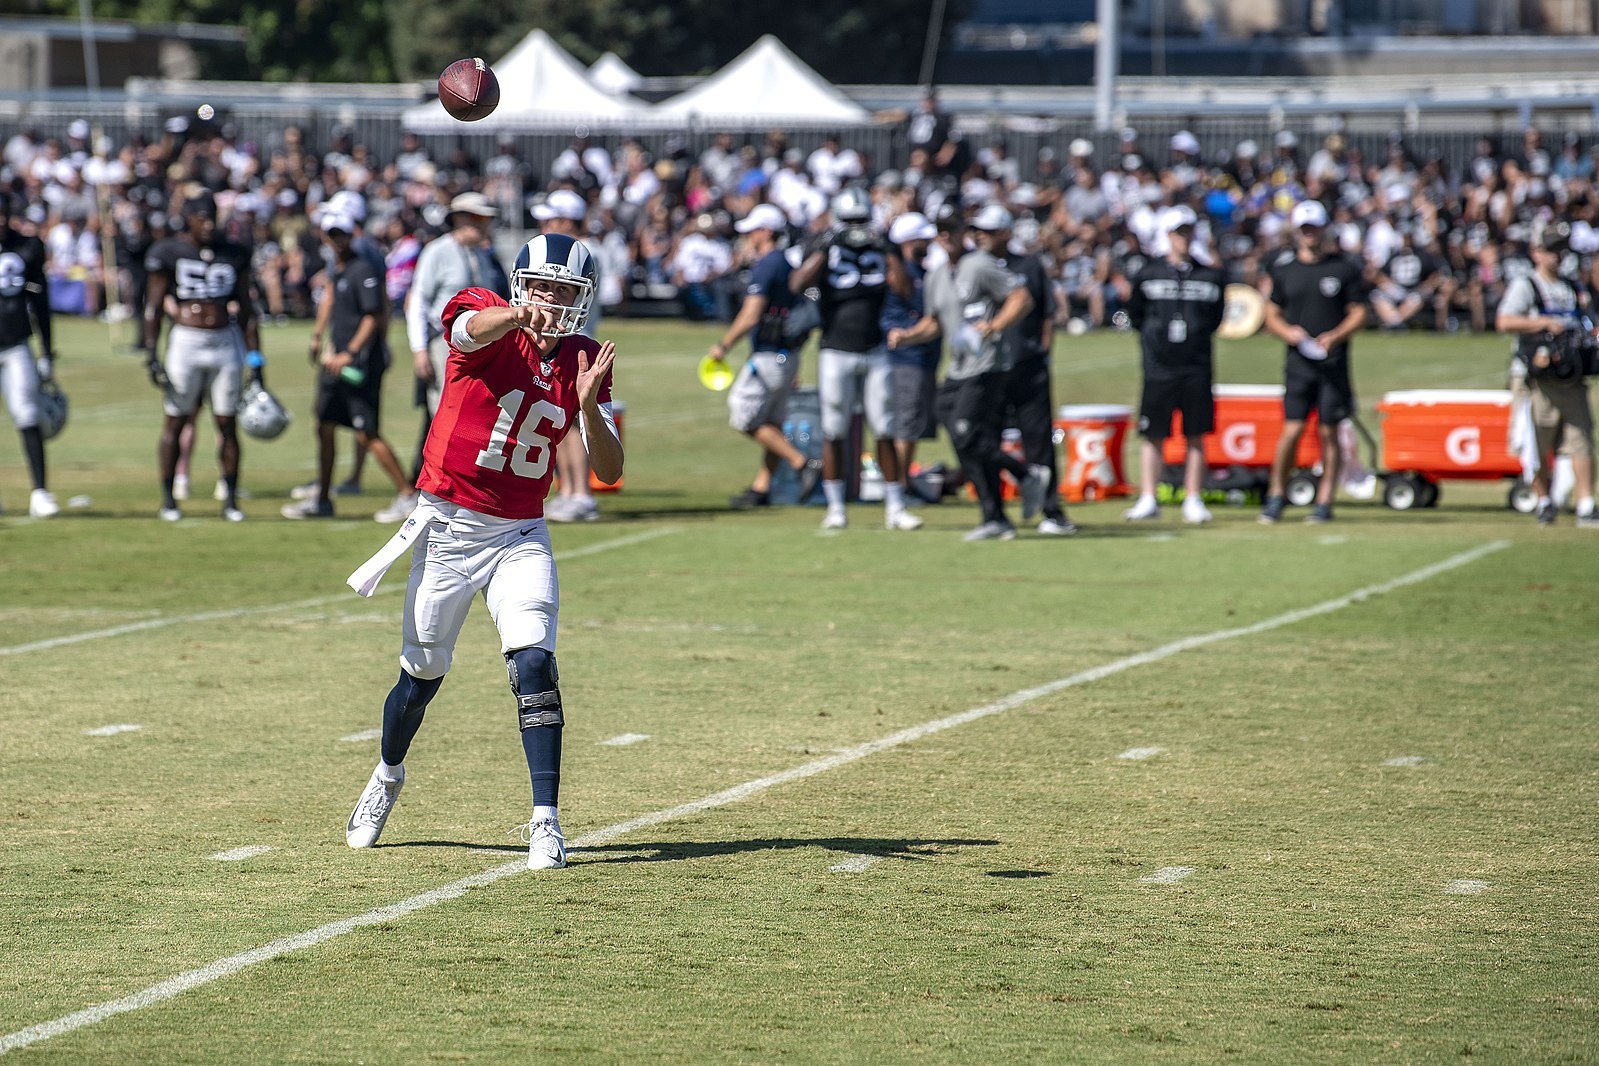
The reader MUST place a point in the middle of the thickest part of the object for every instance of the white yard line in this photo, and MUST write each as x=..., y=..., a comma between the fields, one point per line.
x=298, y=605
x=1405, y=760
x=855, y=864
x=112, y=730
x=249, y=851
x=1166, y=875
x=1466, y=888
x=1134, y=754
x=365, y=734
x=625, y=739
x=221, y=968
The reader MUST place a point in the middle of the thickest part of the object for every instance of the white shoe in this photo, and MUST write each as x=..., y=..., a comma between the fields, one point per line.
x=1195, y=513
x=572, y=509
x=42, y=505
x=1033, y=487
x=372, y=810
x=1145, y=510
x=836, y=518
x=232, y=514
x=1051, y=528
x=399, y=510
x=584, y=509
x=308, y=491
x=546, y=847
x=170, y=514
x=180, y=487
x=902, y=520
x=991, y=531
x=1364, y=489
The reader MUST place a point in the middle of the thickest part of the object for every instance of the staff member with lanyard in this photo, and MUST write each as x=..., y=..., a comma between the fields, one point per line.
x=455, y=261
x=1318, y=301
x=1176, y=305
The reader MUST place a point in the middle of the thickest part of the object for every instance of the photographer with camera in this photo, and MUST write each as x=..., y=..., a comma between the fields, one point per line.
x=1555, y=348
x=849, y=265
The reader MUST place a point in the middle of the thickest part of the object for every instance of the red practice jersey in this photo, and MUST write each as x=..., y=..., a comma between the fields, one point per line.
x=502, y=411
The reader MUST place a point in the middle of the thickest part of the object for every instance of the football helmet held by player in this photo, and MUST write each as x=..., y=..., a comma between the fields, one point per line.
x=558, y=259
x=52, y=409
x=260, y=413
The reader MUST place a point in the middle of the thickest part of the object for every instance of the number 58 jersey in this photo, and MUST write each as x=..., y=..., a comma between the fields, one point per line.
x=503, y=409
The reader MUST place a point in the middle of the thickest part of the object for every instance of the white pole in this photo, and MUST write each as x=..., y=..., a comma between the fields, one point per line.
x=1107, y=52
x=935, y=31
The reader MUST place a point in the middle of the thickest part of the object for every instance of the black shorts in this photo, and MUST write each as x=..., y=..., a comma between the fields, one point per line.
x=353, y=406
x=1321, y=386
x=1187, y=391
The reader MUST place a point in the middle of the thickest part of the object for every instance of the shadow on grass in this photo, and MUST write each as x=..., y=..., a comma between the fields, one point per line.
x=879, y=848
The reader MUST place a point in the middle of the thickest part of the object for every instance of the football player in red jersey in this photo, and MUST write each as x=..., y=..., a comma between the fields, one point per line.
x=517, y=380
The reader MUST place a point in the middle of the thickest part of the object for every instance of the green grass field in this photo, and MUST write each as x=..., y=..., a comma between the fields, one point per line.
x=1367, y=834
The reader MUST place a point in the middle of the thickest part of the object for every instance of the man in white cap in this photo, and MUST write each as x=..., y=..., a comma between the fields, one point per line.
x=563, y=212
x=1318, y=301
x=759, y=394
x=458, y=260
x=1185, y=163
x=1176, y=305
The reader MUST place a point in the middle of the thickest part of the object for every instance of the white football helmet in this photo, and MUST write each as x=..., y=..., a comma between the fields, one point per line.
x=52, y=409
x=555, y=257
x=260, y=413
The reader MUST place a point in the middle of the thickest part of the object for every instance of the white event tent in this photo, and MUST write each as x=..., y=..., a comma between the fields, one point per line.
x=765, y=86
x=612, y=75
x=541, y=87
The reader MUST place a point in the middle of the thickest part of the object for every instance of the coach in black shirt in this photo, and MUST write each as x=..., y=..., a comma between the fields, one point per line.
x=1318, y=300
x=1176, y=305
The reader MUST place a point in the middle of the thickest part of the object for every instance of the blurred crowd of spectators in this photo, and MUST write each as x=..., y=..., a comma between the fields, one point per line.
x=1440, y=240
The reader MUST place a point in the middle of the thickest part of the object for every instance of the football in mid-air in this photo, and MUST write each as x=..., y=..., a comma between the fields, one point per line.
x=469, y=90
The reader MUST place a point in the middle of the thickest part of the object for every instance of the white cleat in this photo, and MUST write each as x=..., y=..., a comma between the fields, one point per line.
x=902, y=520
x=1033, y=488
x=1048, y=527
x=1195, y=513
x=372, y=810
x=232, y=514
x=837, y=518
x=170, y=514
x=43, y=505
x=220, y=493
x=546, y=847
x=180, y=487
x=399, y=510
x=1145, y=510
x=308, y=491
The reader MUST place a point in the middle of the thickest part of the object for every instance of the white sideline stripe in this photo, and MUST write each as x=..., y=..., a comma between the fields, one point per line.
x=365, y=734
x=249, y=851
x=1166, y=875
x=1466, y=888
x=855, y=864
x=625, y=739
x=1405, y=760
x=112, y=730
x=298, y=605
x=1140, y=753
x=221, y=968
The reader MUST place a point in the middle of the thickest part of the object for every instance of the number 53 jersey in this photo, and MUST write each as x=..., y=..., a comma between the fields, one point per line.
x=503, y=409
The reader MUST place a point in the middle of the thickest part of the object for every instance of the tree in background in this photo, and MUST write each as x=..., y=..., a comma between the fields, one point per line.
x=388, y=40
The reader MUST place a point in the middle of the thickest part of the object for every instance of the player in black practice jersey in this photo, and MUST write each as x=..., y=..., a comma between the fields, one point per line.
x=1318, y=301
x=849, y=264
x=202, y=283
x=24, y=306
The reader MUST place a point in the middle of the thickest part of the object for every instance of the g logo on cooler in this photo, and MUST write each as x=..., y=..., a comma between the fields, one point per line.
x=1238, y=441
x=1464, y=445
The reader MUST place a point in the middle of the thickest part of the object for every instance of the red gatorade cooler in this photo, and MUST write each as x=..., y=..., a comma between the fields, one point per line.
x=1249, y=422
x=1092, y=437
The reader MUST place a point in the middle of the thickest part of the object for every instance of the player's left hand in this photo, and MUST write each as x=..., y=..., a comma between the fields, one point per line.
x=589, y=377
x=46, y=365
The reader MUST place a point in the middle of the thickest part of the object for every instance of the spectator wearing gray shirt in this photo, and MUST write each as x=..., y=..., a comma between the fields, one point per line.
x=971, y=301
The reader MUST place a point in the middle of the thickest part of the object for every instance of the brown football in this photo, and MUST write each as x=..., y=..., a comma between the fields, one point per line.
x=469, y=90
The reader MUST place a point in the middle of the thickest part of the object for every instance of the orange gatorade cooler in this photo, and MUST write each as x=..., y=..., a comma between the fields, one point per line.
x=1430, y=435
x=1092, y=436
x=1249, y=422
x=619, y=410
